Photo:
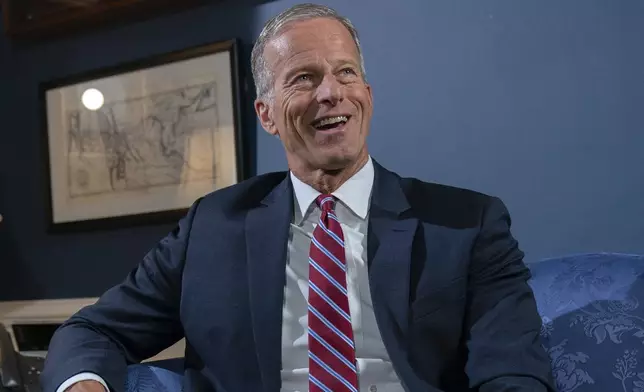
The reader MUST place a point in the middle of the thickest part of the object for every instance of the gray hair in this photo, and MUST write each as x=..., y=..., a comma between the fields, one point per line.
x=262, y=75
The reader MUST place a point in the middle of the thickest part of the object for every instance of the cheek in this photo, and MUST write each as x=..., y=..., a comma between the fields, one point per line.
x=295, y=110
x=360, y=96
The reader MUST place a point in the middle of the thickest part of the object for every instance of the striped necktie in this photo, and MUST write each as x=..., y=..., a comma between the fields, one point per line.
x=332, y=357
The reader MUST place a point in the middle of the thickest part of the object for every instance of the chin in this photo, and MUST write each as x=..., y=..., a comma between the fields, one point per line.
x=337, y=161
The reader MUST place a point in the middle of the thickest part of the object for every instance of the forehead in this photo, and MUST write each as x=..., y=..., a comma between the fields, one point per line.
x=308, y=39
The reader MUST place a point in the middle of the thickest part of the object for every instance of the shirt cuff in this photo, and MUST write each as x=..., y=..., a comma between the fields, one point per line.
x=82, y=377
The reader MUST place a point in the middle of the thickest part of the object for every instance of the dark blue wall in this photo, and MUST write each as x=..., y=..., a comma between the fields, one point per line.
x=540, y=103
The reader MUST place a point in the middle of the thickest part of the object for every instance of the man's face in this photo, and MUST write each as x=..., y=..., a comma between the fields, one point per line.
x=321, y=105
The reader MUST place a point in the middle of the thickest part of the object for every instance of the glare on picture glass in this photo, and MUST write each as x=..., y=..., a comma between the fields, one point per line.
x=92, y=99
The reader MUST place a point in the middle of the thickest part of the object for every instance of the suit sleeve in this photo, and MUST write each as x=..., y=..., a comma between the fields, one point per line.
x=130, y=322
x=505, y=353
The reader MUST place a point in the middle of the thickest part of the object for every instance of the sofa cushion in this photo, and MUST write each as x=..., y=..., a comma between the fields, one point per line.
x=593, y=322
x=149, y=378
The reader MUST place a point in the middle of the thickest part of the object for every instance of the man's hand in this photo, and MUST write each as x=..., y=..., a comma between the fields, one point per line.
x=86, y=386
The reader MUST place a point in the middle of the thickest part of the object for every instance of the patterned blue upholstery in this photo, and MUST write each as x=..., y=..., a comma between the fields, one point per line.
x=149, y=378
x=593, y=325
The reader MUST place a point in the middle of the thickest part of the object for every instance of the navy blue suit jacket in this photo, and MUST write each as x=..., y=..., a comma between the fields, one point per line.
x=448, y=284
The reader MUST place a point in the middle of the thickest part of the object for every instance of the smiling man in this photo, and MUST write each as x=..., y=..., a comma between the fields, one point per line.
x=313, y=95
x=337, y=275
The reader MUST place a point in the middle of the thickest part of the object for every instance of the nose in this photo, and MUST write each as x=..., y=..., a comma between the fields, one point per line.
x=329, y=91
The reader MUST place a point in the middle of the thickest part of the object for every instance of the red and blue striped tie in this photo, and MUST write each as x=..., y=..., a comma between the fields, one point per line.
x=332, y=356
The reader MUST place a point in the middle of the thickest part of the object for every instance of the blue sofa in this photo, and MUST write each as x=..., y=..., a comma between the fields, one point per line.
x=593, y=326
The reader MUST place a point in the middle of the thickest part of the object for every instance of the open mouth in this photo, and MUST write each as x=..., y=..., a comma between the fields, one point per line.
x=328, y=123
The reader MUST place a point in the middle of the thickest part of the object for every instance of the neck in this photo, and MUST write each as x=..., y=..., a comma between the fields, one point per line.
x=328, y=181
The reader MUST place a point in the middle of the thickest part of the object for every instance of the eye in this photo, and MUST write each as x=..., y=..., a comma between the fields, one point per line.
x=304, y=78
x=348, y=71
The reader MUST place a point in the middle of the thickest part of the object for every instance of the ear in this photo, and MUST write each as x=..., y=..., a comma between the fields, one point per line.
x=265, y=116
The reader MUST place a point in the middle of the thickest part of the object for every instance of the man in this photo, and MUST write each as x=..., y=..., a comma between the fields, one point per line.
x=336, y=276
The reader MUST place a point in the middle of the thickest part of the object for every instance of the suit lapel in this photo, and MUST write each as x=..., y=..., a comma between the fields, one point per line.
x=389, y=253
x=267, y=228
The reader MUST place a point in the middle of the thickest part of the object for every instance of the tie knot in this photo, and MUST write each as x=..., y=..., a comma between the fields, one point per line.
x=326, y=202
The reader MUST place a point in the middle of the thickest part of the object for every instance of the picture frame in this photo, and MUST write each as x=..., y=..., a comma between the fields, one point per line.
x=139, y=143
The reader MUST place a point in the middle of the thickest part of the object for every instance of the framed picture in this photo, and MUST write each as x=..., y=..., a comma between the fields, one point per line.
x=140, y=142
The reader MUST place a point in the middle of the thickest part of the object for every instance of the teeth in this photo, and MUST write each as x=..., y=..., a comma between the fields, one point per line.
x=331, y=120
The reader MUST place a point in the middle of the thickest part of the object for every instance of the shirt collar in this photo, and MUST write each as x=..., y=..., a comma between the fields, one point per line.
x=354, y=193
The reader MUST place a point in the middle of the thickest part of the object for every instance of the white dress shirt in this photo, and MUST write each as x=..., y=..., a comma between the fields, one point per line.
x=375, y=371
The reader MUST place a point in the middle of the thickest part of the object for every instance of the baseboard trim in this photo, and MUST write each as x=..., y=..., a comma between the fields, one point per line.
x=56, y=311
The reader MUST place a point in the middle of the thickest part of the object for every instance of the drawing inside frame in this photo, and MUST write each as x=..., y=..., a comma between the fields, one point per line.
x=139, y=143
